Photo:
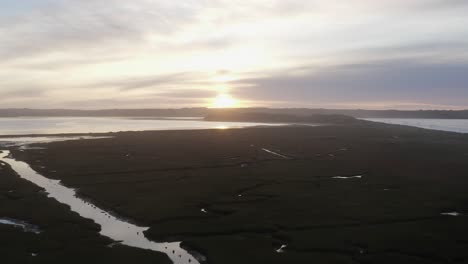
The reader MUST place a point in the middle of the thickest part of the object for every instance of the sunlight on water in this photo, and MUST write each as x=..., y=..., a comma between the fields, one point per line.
x=79, y=125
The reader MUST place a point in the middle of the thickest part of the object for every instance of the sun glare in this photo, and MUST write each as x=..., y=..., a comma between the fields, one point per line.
x=224, y=101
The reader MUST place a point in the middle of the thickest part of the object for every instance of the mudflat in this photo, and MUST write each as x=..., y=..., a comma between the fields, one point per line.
x=354, y=193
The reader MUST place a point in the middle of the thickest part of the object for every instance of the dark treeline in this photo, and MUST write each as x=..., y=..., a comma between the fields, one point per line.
x=202, y=112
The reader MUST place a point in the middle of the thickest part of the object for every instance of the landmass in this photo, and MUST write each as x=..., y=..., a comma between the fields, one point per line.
x=347, y=193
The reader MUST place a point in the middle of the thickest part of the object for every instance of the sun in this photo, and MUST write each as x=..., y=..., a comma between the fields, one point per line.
x=224, y=101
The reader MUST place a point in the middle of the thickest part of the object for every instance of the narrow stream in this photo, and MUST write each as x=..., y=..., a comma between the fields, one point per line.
x=111, y=226
x=275, y=153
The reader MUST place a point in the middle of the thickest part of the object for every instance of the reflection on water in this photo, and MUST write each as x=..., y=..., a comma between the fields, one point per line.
x=79, y=125
x=21, y=224
x=111, y=226
x=451, y=214
x=24, y=142
x=348, y=177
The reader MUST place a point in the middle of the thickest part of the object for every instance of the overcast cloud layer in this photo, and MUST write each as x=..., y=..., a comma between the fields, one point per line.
x=406, y=54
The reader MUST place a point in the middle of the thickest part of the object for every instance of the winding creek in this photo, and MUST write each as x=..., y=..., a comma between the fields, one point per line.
x=120, y=231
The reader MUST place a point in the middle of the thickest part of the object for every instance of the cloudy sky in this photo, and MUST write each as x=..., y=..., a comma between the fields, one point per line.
x=405, y=54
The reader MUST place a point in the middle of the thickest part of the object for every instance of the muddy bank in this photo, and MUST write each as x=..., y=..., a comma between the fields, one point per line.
x=223, y=195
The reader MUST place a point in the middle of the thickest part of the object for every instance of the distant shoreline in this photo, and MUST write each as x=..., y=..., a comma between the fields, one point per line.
x=202, y=112
x=53, y=126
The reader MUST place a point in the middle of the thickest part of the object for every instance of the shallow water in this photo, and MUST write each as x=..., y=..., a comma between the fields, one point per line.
x=21, y=224
x=79, y=125
x=452, y=125
x=347, y=177
x=24, y=142
x=275, y=153
x=111, y=226
x=451, y=214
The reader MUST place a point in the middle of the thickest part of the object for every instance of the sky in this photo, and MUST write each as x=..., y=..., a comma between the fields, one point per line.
x=87, y=54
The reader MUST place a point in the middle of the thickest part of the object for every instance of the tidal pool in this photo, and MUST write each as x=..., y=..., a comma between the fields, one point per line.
x=451, y=214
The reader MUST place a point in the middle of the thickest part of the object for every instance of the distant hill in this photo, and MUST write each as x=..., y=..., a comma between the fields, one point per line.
x=202, y=112
x=358, y=113
x=236, y=116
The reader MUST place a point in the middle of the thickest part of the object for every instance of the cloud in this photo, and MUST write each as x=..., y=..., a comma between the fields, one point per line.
x=439, y=4
x=390, y=80
x=176, y=85
x=268, y=51
x=22, y=93
x=90, y=25
x=162, y=81
x=188, y=94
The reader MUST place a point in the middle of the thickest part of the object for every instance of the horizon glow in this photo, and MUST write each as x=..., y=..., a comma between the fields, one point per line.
x=217, y=53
